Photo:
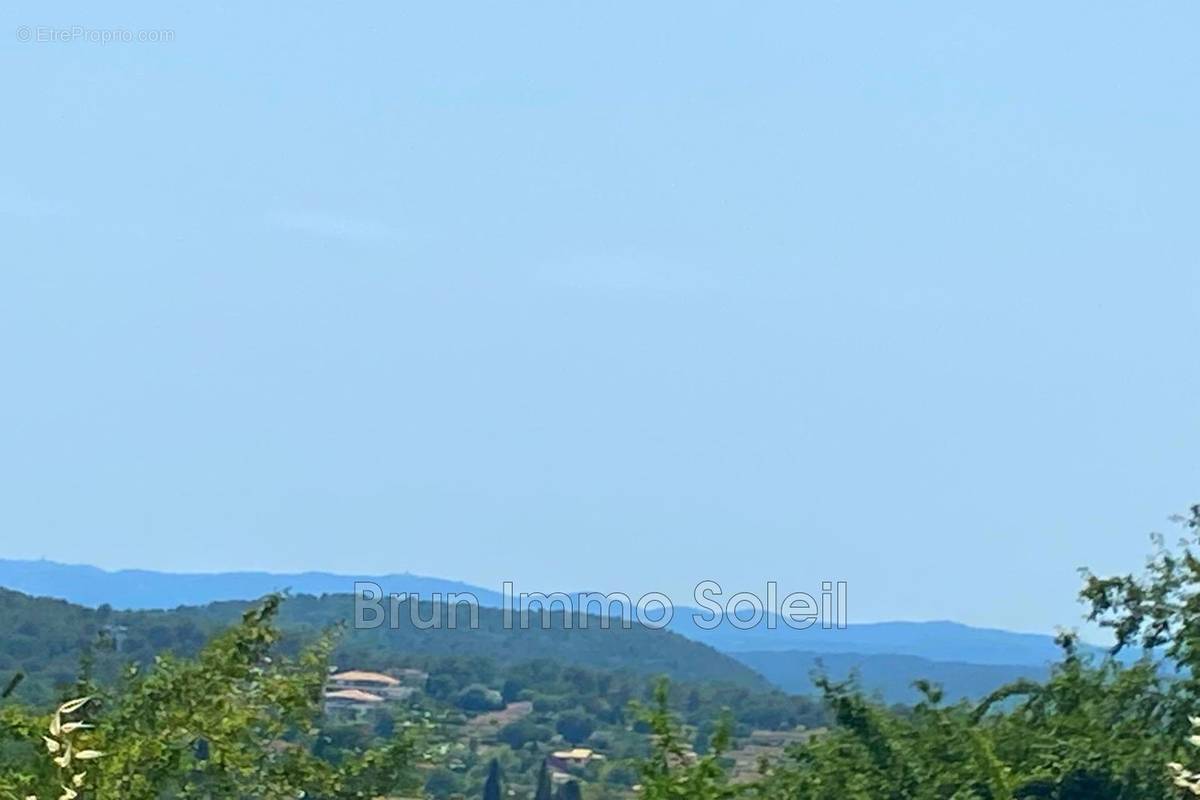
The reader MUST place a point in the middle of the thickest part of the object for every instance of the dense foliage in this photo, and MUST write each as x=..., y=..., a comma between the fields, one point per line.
x=238, y=720
x=1095, y=730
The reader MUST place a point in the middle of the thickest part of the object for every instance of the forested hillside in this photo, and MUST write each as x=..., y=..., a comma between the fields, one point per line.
x=45, y=639
x=485, y=694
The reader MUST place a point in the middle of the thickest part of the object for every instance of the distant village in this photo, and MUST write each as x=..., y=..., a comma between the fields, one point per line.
x=354, y=695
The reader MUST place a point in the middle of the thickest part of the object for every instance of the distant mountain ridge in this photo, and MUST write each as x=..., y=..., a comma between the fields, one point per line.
x=942, y=641
x=887, y=675
x=142, y=590
x=933, y=641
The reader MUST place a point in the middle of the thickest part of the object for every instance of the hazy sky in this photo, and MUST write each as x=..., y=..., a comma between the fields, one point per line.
x=606, y=295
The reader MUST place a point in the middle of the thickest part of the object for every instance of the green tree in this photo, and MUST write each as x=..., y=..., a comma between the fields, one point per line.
x=477, y=697
x=1159, y=610
x=239, y=720
x=575, y=726
x=672, y=771
x=492, y=786
x=523, y=731
x=442, y=783
x=544, y=790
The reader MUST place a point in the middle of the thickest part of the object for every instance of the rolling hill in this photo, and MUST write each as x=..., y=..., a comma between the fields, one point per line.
x=45, y=638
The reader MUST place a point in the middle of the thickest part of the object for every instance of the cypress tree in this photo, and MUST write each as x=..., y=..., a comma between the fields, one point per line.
x=544, y=791
x=491, y=789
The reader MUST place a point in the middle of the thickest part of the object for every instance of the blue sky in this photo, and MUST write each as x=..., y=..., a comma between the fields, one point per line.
x=607, y=295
